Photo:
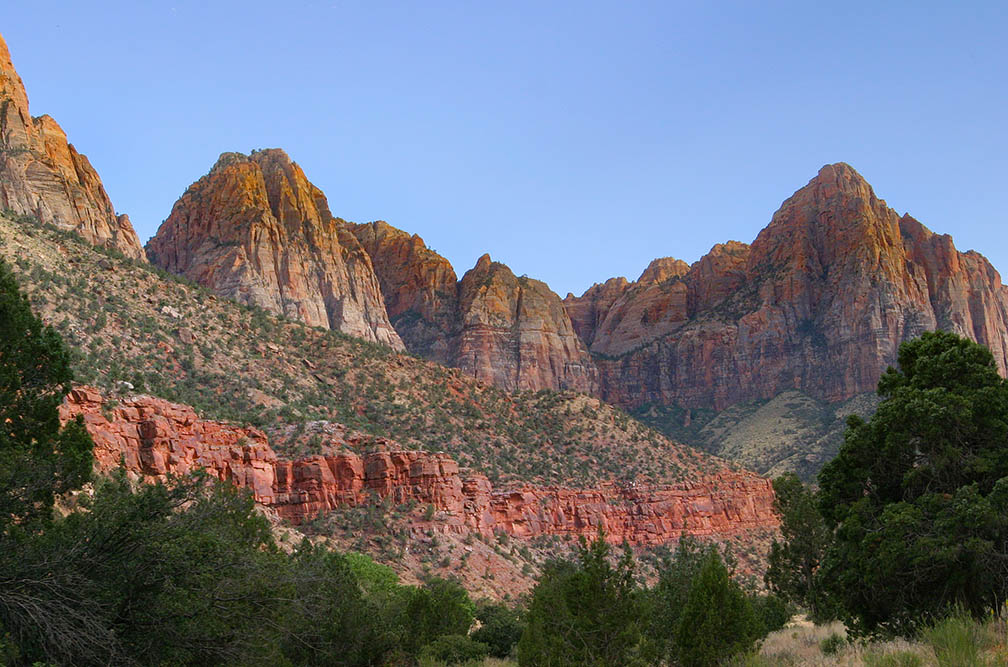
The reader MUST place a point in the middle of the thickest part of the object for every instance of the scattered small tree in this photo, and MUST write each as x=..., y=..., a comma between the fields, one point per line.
x=583, y=613
x=717, y=621
x=793, y=568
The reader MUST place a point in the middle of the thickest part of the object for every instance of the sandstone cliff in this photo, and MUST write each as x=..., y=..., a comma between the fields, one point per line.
x=419, y=287
x=154, y=438
x=256, y=230
x=42, y=175
x=497, y=327
x=516, y=334
x=820, y=303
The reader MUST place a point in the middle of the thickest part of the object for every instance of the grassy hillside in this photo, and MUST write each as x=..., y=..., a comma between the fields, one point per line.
x=132, y=323
x=790, y=432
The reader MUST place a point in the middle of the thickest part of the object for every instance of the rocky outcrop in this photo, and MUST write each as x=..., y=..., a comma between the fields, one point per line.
x=153, y=439
x=419, y=287
x=508, y=330
x=516, y=334
x=256, y=230
x=820, y=303
x=42, y=175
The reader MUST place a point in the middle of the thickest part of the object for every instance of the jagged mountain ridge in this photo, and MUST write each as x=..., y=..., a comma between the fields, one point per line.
x=43, y=175
x=819, y=303
x=509, y=330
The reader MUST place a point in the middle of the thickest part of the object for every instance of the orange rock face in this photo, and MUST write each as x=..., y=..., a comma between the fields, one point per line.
x=510, y=331
x=154, y=438
x=43, y=175
x=419, y=286
x=256, y=230
x=820, y=302
x=516, y=334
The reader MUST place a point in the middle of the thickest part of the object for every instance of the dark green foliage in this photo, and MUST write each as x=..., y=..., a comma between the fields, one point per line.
x=187, y=574
x=918, y=495
x=501, y=628
x=772, y=612
x=327, y=619
x=832, y=644
x=440, y=607
x=38, y=459
x=717, y=621
x=583, y=613
x=454, y=649
x=668, y=596
x=793, y=569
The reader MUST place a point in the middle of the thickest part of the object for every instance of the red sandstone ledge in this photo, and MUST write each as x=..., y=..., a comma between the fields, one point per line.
x=154, y=438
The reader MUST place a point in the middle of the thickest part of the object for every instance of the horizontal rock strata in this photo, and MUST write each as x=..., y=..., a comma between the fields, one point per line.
x=154, y=438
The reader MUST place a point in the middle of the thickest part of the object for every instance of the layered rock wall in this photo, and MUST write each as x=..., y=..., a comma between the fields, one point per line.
x=500, y=328
x=154, y=438
x=42, y=175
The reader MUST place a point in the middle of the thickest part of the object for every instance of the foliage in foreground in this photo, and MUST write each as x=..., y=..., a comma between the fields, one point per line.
x=38, y=459
x=911, y=518
x=188, y=573
x=591, y=612
x=918, y=496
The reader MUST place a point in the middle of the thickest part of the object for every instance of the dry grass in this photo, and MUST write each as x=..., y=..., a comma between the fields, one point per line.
x=952, y=643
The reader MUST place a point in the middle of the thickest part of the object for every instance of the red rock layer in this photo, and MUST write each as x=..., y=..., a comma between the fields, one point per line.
x=508, y=330
x=43, y=175
x=256, y=230
x=154, y=438
x=820, y=302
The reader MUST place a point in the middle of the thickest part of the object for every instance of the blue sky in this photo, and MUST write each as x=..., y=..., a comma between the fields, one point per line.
x=574, y=141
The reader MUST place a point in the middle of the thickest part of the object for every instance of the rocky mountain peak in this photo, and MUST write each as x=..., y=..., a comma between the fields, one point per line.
x=255, y=229
x=820, y=302
x=43, y=176
x=11, y=85
x=662, y=269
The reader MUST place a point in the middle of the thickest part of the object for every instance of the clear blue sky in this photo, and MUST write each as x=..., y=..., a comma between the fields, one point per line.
x=574, y=141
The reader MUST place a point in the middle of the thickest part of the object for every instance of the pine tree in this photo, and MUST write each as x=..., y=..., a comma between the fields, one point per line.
x=38, y=459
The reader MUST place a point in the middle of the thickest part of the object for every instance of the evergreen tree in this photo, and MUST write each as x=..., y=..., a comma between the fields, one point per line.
x=918, y=495
x=583, y=613
x=717, y=621
x=793, y=570
x=38, y=459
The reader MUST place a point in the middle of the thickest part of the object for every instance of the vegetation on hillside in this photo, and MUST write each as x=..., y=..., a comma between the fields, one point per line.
x=791, y=432
x=136, y=324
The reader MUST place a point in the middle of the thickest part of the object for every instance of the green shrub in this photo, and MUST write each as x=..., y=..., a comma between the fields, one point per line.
x=500, y=630
x=718, y=621
x=453, y=650
x=957, y=640
x=832, y=644
x=772, y=611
